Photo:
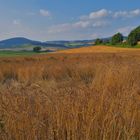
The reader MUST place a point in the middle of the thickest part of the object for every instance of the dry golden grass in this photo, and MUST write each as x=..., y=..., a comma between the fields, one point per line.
x=100, y=49
x=92, y=96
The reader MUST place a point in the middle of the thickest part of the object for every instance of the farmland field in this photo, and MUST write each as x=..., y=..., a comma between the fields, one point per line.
x=80, y=94
x=16, y=53
x=100, y=49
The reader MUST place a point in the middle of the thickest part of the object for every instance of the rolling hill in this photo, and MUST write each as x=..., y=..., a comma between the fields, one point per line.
x=20, y=43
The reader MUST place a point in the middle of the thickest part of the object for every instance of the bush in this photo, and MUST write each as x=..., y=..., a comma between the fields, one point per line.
x=98, y=41
x=37, y=49
x=134, y=37
x=116, y=39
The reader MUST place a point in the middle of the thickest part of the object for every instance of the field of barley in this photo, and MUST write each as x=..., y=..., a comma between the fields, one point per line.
x=71, y=95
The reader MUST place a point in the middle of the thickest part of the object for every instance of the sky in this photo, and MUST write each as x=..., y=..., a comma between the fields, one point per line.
x=46, y=20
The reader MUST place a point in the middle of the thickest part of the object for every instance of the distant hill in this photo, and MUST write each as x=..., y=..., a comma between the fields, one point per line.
x=24, y=43
x=21, y=43
x=74, y=43
x=79, y=43
x=15, y=42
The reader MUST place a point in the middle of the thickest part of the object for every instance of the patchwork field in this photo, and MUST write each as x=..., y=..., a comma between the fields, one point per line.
x=80, y=94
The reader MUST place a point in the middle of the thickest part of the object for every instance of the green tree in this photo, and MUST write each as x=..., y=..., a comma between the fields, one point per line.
x=134, y=36
x=98, y=41
x=37, y=49
x=116, y=39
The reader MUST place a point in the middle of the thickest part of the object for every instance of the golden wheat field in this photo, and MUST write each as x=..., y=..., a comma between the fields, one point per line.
x=71, y=96
x=99, y=49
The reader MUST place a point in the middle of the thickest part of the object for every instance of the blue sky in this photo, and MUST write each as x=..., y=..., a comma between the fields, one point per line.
x=67, y=19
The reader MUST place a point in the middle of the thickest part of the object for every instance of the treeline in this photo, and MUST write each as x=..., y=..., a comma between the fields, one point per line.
x=118, y=39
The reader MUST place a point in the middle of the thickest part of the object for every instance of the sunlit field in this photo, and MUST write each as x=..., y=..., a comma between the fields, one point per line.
x=71, y=96
x=101, y=49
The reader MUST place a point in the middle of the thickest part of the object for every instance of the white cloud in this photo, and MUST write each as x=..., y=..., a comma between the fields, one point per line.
x=81, y=24
x=135, y=13
x=45, y=13
x=83, y=27
x=103, y=13
x=120, y=14
x=85, y=22
x=93, y=24
x=127, y=14
x=99, y=14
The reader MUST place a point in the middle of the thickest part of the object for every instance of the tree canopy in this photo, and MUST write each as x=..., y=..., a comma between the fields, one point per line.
x=116, y=39
x=37, y=49
x=134, y=36
x=98, y=41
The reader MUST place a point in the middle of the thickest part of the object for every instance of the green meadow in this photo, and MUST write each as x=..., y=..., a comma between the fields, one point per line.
x=17, y=53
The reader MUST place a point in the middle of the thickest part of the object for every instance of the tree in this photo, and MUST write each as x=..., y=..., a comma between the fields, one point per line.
x=37, y=49
x=98, y=41
x=116, y=39
x=134, y=36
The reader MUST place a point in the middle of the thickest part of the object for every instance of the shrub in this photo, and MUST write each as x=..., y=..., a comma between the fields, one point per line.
x=98, y=41
x=37, y=49
x=116, y=39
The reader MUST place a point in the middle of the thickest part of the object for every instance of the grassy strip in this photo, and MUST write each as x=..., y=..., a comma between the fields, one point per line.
x=17, y=53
